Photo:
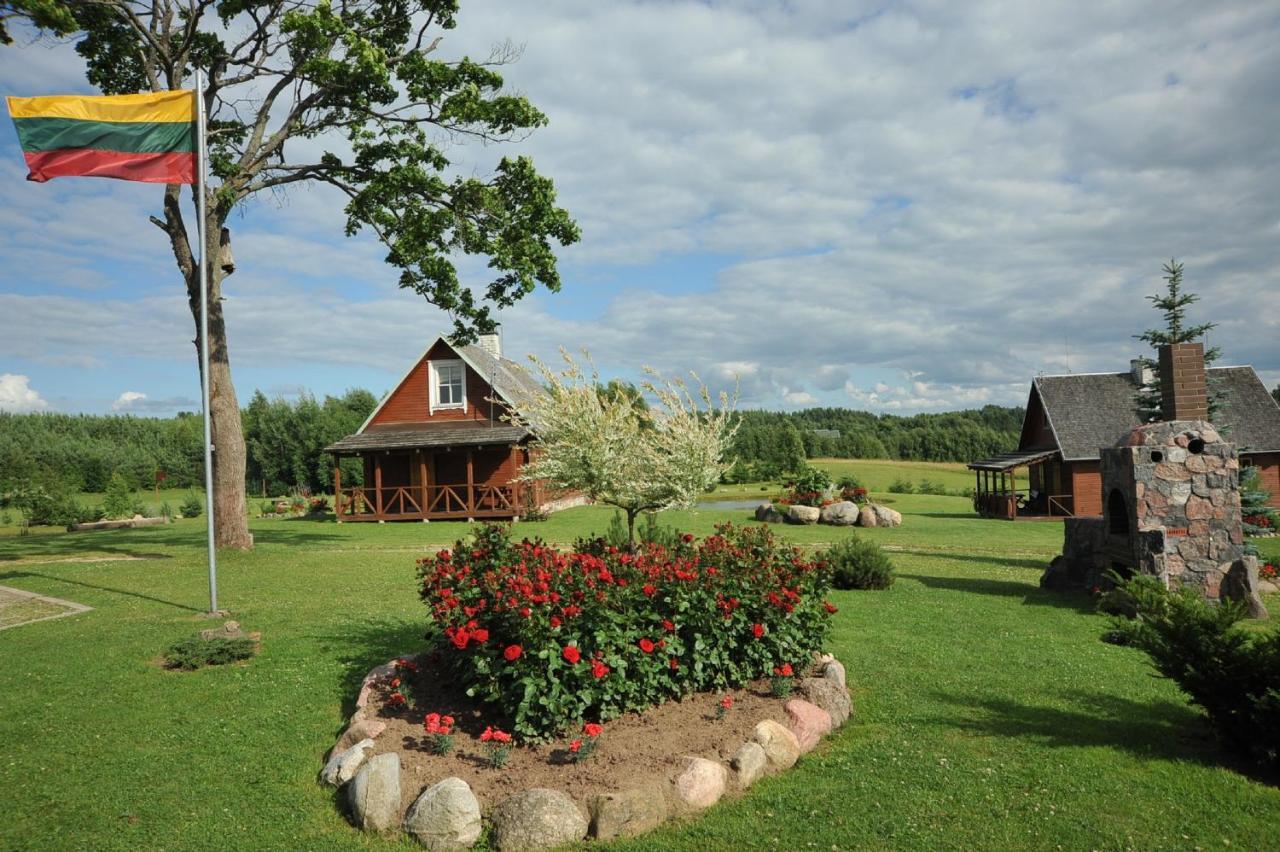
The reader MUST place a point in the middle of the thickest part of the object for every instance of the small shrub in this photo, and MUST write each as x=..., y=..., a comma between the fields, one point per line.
x=858, y=563
x=928, y=486
x=902, y=486
x=166, y=511
x=648, y=532
x=191, y=506
x=121, y=500
x=194, y=653
x=318, y=506
x=1232, y=673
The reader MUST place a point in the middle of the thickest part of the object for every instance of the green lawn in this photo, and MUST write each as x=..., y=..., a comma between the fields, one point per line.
x=988, y=714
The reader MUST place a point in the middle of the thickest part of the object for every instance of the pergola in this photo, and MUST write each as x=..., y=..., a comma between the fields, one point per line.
x=996, y=487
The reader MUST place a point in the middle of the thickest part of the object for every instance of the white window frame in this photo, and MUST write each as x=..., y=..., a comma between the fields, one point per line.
x=434, y=391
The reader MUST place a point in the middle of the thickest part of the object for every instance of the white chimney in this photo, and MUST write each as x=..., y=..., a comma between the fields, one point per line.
x=492, y=343
x=1142, y=375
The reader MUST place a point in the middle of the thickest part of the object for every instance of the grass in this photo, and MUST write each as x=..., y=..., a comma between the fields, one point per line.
x=987, y=714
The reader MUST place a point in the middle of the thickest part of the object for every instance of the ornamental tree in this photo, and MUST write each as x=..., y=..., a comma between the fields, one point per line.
x=618, y=448
x=350, y=95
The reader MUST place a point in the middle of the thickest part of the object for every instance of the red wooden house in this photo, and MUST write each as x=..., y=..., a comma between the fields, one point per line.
x=437, y=447
x=1070, y=418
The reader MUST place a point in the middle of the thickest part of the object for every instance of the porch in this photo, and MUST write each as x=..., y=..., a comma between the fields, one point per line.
x=428, y=502
x=996, y=493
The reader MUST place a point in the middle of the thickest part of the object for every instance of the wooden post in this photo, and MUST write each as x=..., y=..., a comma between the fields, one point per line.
x=377, y=485
x=425, y=482
x=1013, y=497
x=337, y=488
x=471, y=486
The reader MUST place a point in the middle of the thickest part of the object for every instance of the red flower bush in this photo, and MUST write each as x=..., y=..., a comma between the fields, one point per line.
x=729, y=609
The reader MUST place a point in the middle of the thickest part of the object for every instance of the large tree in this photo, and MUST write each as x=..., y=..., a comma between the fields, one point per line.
x=349, y=94
x=609, y=443
x=1172, y=304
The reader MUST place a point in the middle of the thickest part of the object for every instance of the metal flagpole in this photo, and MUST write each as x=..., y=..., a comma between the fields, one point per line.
x=202, y=156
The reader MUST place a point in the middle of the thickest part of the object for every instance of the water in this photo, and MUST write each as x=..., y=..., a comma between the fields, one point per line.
x=730, y=504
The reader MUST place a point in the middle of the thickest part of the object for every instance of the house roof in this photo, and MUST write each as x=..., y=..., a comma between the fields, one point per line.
x=1093, y=410
x=1008, y=461
x=462, y=434
x=508, y=379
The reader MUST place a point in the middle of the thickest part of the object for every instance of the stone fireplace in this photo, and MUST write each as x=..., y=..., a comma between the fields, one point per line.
x=1171, y=501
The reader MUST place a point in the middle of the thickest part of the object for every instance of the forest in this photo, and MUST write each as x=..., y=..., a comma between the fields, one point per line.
x=285, y=441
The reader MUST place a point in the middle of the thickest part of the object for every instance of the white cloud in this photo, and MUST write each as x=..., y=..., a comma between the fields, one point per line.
x=17, y=395
x=127, y=400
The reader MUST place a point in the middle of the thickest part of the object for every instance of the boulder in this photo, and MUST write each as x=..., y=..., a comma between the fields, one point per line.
x=809, y=722
x=445, y=816
x=867, y=516
x=767, y=514
x=629, y=812
x=886, y=517
x=701, y=783
x=781, y=749
x=360, y=729
x=834, y=671
x=1241, y=584
x=842, y=514
x=749, y=763
x=537, y=819
x=830, y=696
x=344, y=763
x=372, y=679
x=803, y=515
x=229, y=630
x=375, y=793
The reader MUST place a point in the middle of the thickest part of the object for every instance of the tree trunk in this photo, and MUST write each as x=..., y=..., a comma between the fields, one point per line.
x=231, y=520
x=631, y=530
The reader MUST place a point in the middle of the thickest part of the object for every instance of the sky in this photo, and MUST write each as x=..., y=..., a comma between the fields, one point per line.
x=898, y=207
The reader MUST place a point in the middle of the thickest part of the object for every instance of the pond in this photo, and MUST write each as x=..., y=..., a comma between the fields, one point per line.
x=730, y=504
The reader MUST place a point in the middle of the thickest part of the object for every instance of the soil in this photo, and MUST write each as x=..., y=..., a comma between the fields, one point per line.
x=634, y=750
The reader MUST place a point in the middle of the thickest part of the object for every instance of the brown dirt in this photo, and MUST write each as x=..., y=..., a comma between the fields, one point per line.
x=635, y=749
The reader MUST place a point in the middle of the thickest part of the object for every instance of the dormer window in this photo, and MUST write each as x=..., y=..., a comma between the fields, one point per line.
x=448, y=385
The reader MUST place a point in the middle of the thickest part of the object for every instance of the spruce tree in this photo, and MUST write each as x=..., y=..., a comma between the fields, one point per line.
x=1172, y=304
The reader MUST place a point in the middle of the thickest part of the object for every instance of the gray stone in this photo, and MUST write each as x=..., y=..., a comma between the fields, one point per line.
x=445, y=816
x=781, y=748
x=803, y=515
x=830, y=696
x=842, y=514
x=629, y=812
x=886, y=517
x=229, y=630
x=537, y=819
x=766, y=513
x=360, y=729
x=1180, y=493
x=749, y=763
x=867, y=516
x=343, y=765
x=1241, y=584
x=700, y=784
x=375, y=793
x=834, y=670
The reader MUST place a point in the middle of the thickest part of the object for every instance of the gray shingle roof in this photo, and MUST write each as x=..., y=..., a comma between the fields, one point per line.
x=508, y=378
x=1096, y=410
x=428, y=435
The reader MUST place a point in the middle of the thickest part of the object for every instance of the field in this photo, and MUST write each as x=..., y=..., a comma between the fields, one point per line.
x=988, y=713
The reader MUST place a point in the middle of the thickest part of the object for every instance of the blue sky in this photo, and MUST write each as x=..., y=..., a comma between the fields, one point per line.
x=893, y=206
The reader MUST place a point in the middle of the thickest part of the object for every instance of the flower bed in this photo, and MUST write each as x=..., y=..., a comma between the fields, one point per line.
x=551, y=640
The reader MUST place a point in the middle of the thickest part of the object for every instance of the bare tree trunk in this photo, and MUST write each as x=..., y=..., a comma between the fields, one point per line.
x=231, y=527
x=631, y=530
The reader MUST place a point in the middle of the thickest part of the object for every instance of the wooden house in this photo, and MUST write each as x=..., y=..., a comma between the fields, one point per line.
x=1070, y=418
x=436, y=447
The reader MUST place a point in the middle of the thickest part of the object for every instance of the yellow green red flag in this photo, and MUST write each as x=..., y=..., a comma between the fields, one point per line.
x=148, y=137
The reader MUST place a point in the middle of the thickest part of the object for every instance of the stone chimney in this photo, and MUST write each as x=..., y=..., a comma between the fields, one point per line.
x=1141, y=374
x=1184, y=393
x=492, y=343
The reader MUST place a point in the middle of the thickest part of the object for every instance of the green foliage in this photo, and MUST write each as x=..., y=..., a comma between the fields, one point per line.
x=1257, y=515
x=121, y=500
x=858, y=563
x=553, y=639
x=191, y=506
x=166, y=511
x=196, y=653
x=1232, y=673
x=285, y=441
x=1172, y=304
x=48, y=501
x=647, y=532
x=811, y=486
x=928, y=486
x=902, y=486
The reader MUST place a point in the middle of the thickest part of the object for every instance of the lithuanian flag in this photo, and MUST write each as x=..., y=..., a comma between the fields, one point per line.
x=148, y=137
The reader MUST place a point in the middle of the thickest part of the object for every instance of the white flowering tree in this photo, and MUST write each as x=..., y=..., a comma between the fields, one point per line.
x=621, y=449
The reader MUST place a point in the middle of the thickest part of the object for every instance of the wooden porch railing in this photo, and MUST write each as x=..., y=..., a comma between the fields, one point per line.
x=368, y=503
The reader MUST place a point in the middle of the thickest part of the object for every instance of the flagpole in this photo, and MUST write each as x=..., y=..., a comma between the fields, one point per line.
x=202, y=157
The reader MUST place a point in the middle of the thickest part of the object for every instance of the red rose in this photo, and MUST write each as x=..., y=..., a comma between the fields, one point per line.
x=647, y=646
x=675, y=664
x=598, y=669
x=555, y=621
x=591, y=729
x=668, y=625
x=512, y=653
x=830, y=607
x=480, y=635
x=687, y=538
x=460, y=639
x=575, y=746
x=571, y=654
x=726, y=702
x=757, y=630
x=487, y=735
x=650, y=589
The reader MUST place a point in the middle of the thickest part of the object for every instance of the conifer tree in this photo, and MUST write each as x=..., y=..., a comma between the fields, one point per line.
x=1172, y=304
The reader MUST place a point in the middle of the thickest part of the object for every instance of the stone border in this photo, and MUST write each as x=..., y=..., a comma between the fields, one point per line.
x=73, y=608
x=447, y=815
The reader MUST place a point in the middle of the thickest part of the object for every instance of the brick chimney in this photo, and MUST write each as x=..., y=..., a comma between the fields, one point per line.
x=1184, y=394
